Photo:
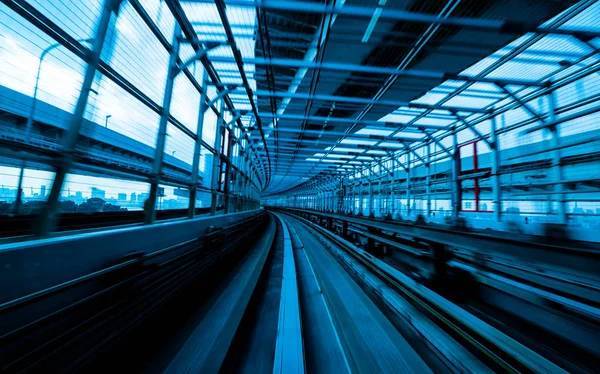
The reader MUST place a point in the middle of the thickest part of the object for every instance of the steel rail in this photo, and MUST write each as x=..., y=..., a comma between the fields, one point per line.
x=498, y=347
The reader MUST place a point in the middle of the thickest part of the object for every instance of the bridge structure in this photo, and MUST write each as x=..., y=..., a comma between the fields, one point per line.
x=433, y=165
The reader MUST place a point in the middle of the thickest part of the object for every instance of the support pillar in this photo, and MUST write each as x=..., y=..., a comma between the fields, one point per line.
x=380, y=196
x=496, y=188
x=556, y=162
x=392, y=180
x=360, y=194
x=159, y=150
x=198, y=148
x=216, y=173
x=428, y=179
x=456, y=188
x=65, y=160
x=370, y=192
x=228, y=170
x=408, y=169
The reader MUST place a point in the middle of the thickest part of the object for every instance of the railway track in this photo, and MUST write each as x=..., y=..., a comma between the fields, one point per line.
x=506, y=324
x=285, y=295
x=323, y=305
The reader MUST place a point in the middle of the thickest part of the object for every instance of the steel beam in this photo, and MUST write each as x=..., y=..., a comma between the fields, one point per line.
x=371, y=210
x=439, y=144
x=409, y=169
x=392, y=181
x=508, y=27
x=556, y=161
x=214, y=186
x=410, y=150
x=335, y=133
x=198, y=147
x=496, y=188
x=350, y=121
x=227, y=181
x=66, y=157
x=428, y=180
x=473, y=129
x=191, y=36
x=523, y=104
x=410, y=73
x=554, y=121
x=220, y=4
x=159, y=149
x=456, y=185
x=396, y=160
x=364, y=101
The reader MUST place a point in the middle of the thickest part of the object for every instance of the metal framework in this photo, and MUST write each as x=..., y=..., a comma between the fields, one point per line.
x=369, y=118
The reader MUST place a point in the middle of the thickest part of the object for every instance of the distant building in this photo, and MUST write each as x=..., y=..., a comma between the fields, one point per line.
x=7, y=193
x=179, y=192
x=43, y=191
x=133, y=197
x=143, y=196
x=121, y=197
x=96, y=192
x=78, y=195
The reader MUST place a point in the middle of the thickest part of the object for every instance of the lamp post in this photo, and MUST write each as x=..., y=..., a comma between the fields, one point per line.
x=106, y=120
x=29, y=123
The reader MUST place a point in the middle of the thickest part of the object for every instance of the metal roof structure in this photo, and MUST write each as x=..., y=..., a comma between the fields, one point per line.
x=284, y=98
x=380, y=74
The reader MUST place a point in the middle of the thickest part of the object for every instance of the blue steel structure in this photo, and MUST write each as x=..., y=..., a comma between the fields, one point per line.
x=388, y=136
x=288, y=119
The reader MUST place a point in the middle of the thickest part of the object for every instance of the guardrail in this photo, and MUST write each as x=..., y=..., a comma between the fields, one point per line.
x=34, y=265
x=289, y=349
x=578, y=261
x=499, y=350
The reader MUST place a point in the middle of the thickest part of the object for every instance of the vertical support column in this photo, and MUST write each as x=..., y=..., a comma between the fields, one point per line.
x=476, y=180
x=371, y=210
x=428, y=179
x=244, y=178
x=159, y=150
x=227, y=181
x=354, y=198
x=392, y=180
x=408, y=170
x=322, y=201
x=380, y=196
x=65, y=159
x=198, y=147
x=556, y=161
x=496, y=188
x=360, y=194
x=216, y=173
x=248, y=184
x=456, y=189
x=233, y=177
